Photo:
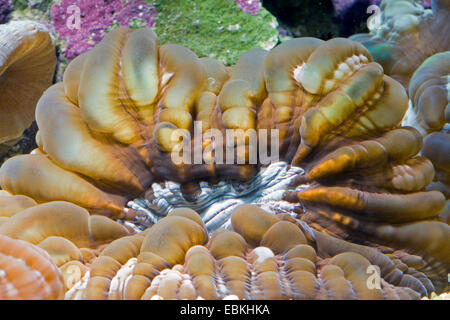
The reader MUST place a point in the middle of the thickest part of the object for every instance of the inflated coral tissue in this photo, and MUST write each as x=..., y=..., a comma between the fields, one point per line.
x=357, y=207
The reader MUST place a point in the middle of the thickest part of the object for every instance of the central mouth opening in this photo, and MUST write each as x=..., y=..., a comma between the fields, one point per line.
x=217, y=201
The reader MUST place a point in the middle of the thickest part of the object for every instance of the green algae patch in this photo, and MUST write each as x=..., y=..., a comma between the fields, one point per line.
x=212, y=28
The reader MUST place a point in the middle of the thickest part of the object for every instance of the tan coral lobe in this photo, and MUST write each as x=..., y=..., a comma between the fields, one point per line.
x=285, y=269
x=430, y=113
x=27, y=64
x=65, y=220
x=27, y=272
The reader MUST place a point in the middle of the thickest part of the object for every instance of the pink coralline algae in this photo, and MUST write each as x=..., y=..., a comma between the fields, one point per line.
x=5, y=11
x=249, y=6
x=84, y=23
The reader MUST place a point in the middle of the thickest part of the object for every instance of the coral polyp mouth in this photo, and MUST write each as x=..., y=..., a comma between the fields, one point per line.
x=216, y=201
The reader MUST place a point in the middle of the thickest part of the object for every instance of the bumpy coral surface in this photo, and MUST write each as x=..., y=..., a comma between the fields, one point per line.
x=406, y=34
x=264, y=257
x=358, y=199
x=63, y=234
x=27, y=272
x=430, y=113
x=58, y=219
x=429, y=89
x=412, y=45
x=27, y=64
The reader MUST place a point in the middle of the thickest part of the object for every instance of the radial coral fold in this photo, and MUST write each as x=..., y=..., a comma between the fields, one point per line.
x=280, y=263
x=357, y=192
x=430, y=113
x=27, y=272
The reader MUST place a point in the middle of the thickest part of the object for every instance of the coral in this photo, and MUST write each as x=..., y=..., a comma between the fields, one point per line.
x=444, y=296
x=27, y=272
x=61, y=219
x=406, y=35
x=96, y=18
x=407, y=42
x=430, y=113
x=52, y=176
x=429, y=92
x=224, y=33
x=12, y=204
x=435, y=148
x=357, y=194
x=27, y=64
x=67, y=235
x=264, y=257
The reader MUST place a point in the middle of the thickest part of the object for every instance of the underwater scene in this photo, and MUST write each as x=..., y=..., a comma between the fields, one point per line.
x=224, y=150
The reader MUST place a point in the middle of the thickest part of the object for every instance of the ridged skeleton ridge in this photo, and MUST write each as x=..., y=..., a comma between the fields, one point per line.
x=27, y=272
x=268, y=259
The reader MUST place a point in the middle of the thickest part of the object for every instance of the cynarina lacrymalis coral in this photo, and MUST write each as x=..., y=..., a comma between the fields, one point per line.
x=358, y=198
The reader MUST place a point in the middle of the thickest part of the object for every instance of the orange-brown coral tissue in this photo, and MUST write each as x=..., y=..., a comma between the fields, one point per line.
x=366, y=217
